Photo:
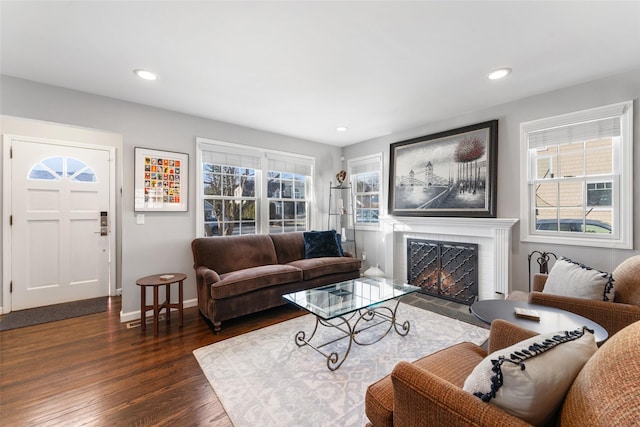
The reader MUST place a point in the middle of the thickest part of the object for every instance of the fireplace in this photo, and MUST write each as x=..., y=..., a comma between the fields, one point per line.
x=447, y=270
x=492, y=235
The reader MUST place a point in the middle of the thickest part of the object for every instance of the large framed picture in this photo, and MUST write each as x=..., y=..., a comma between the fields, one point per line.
x=451, y=173
x=161, y=181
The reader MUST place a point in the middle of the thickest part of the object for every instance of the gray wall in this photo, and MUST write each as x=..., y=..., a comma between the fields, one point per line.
x=163, y=242
x=605, y=91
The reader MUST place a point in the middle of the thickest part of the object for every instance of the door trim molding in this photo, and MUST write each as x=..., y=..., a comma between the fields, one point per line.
x=7, y=142
x=6, y=227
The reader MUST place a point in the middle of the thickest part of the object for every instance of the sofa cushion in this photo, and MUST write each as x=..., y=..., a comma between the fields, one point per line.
x=530, y=379
x=251, y=279
x=289, y=246
x=319, y=244
x=572, y=279
x=224, y=254
x=318, y=267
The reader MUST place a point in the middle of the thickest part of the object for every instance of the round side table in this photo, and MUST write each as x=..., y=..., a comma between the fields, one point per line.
x=551, y=319
x=155, y=282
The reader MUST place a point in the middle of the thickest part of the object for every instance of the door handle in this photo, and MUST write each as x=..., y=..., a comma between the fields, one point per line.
x=103, y=224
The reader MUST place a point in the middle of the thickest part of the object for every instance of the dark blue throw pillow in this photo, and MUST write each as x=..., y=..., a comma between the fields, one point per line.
x=322, y=244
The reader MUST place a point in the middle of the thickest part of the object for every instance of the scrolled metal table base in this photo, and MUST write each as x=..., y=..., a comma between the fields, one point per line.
x=382, y=314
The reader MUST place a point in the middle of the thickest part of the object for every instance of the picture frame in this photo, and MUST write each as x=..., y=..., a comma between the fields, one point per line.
x=161, y=182
x=450, y=174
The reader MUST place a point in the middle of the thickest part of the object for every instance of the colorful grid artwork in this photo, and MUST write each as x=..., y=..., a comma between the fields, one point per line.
x=162, y=180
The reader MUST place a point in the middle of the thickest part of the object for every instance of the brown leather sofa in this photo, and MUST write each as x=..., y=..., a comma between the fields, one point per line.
x=240, y=275
x=429, y=391
x=613, y=316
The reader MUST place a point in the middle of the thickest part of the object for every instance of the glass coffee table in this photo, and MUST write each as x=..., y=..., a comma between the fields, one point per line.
x=351, y=307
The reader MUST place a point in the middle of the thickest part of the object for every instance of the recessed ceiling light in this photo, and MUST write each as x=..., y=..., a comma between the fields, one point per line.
x=499, y=73
x=144, y=74
x=341, y=129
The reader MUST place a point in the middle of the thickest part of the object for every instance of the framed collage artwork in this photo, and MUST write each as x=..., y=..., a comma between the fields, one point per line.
x=161, y=181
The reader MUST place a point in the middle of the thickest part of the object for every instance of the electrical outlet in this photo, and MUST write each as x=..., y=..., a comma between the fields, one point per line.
x=364, y=255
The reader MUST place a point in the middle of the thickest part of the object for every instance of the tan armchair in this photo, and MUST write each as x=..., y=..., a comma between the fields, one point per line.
x=624, y=310
x=445, y=371
x=429, y=391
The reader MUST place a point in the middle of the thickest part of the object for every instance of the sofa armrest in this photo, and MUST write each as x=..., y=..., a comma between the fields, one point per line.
x=420, y=398
x=505, y=334
x=613, y=316
x=206, y=276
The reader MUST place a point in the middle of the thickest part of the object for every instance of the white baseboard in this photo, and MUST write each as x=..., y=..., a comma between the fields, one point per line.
x=135, y=315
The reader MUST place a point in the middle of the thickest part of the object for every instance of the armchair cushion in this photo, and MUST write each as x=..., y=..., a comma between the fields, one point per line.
x=530, y=379
x=572, y=279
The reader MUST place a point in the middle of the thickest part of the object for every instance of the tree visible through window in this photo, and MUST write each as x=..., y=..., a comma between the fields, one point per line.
x=230, y=200
x=248, y=191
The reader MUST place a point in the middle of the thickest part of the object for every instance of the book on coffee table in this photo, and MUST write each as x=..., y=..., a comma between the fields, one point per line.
x=526, y=313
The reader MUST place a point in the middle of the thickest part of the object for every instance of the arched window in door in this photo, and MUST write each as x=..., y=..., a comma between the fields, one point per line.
x=58, y=168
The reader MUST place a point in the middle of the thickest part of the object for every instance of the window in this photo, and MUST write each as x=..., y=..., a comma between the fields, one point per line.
x=366, y=179
x=577, y=178
x=246, y=190
x=57, y=168
x=229, y=199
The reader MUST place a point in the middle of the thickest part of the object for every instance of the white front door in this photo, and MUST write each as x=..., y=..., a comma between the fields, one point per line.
x=61, y=222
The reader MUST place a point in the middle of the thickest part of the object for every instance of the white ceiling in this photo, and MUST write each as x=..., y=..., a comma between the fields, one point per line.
x=302, y=68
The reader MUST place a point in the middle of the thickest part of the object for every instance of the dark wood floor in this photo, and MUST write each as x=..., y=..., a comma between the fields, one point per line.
x=92, y=370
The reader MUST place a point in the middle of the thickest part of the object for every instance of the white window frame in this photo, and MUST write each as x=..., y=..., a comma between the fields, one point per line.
x=266, y=157
x=370, y=163
x=622, y=203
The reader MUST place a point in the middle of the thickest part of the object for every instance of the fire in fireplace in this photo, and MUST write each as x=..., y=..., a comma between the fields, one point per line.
x=446, y=270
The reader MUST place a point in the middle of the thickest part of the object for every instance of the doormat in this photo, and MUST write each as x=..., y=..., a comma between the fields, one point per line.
x=52, y=313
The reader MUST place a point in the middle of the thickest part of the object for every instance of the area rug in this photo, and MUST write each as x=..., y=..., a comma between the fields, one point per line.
x=52, y=313
x=263, y=378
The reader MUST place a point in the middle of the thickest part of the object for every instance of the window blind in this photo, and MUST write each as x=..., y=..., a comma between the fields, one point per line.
x=364, y=165
x=228, y=156
x=586, y=131
x=290, y=164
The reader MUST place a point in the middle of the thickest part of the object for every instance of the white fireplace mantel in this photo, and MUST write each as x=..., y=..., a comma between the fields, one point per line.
x=492, y=235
